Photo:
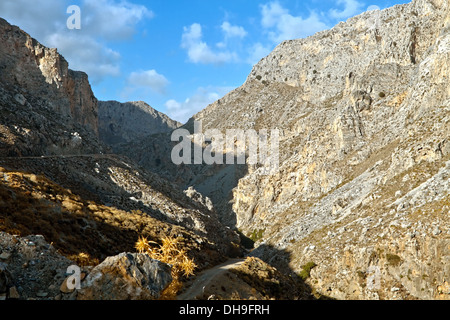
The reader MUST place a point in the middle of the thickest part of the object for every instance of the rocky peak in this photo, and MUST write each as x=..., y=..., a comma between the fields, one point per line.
x=43, y=72
x=131, y=121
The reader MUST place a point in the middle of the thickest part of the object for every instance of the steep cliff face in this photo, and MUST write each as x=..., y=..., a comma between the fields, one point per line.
x=45, y=108
x=127, y=122
x=363, y=185
x=43, y=72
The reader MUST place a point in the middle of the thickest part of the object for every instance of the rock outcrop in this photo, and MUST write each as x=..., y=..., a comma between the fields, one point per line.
x=43, y=72
x=45, y=108
x=127, y=276
x=30, y=268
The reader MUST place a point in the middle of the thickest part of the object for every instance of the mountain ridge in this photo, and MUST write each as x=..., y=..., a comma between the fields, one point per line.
x=360, y=207
x=363, y=112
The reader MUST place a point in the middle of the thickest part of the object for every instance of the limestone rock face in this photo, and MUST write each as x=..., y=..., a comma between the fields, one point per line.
x=43, y=72
x=128, y=122
x=127, y=276
x=364, y=115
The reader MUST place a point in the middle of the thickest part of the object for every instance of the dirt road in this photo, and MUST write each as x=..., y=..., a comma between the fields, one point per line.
x=205, y=277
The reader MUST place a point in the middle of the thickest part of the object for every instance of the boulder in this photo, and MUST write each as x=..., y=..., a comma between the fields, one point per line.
x=5, y=279
x=127, y=276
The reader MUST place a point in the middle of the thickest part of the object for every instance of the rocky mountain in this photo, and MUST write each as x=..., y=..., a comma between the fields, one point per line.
x=60, y=182
x=362, y=192
x=359, y=208
x=46, y=108
x=127, y=122
x=34, y=70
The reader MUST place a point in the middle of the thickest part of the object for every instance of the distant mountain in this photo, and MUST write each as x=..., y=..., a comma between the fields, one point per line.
x=127, y=122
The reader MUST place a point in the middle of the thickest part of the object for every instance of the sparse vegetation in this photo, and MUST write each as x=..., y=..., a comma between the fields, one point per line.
x=393, y=259
x=306, y=270
x=257, y=235
x=173, y=252
x=82, y=230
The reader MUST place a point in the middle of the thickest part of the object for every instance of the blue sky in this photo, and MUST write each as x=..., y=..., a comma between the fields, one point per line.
x=178, y=56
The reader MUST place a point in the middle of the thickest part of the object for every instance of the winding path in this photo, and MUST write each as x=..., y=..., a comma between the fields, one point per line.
x=205, y=277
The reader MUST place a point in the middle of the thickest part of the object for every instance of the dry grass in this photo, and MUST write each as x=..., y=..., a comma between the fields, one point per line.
x=172, y=251
x=84, y=231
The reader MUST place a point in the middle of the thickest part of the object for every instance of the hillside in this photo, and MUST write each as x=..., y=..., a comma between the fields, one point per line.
x=58, y=181
x=122, y=123
x=363, y=185
x=359, y=208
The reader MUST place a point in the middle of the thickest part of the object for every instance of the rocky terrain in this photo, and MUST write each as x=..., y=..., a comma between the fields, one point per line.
x=60, y=183
x=359, y=209
x=363, y=185
x=122, y=123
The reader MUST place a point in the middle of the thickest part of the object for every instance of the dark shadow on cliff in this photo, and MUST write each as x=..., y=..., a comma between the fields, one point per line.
x=296, y=284
x=216, y=181
x=108, y=222
x=123, y=123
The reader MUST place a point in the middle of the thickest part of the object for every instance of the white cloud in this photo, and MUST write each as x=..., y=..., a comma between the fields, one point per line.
x=84, y=53
x=272, y=13
x=257, y=52
x=113, y=20
x=29, y=15
x=198, y=51
x=351, y=8
x=281, y=25
x=373, y=7
x=233, y=31
x=149, y=79
x=182, y=111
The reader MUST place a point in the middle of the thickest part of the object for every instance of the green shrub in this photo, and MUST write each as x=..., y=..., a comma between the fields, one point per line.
x=257, y=234
x=393, y=259
x=306, y=270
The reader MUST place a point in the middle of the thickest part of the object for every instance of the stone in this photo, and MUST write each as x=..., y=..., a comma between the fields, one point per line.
x=437, y=231
x=13, y=293
x=5, y=279
x=64, y=288
x=127, y=276
x=5, y=256
x=41, y=294
x=20, y=99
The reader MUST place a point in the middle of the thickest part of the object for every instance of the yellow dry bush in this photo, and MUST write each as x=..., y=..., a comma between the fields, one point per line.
x=171, y=252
